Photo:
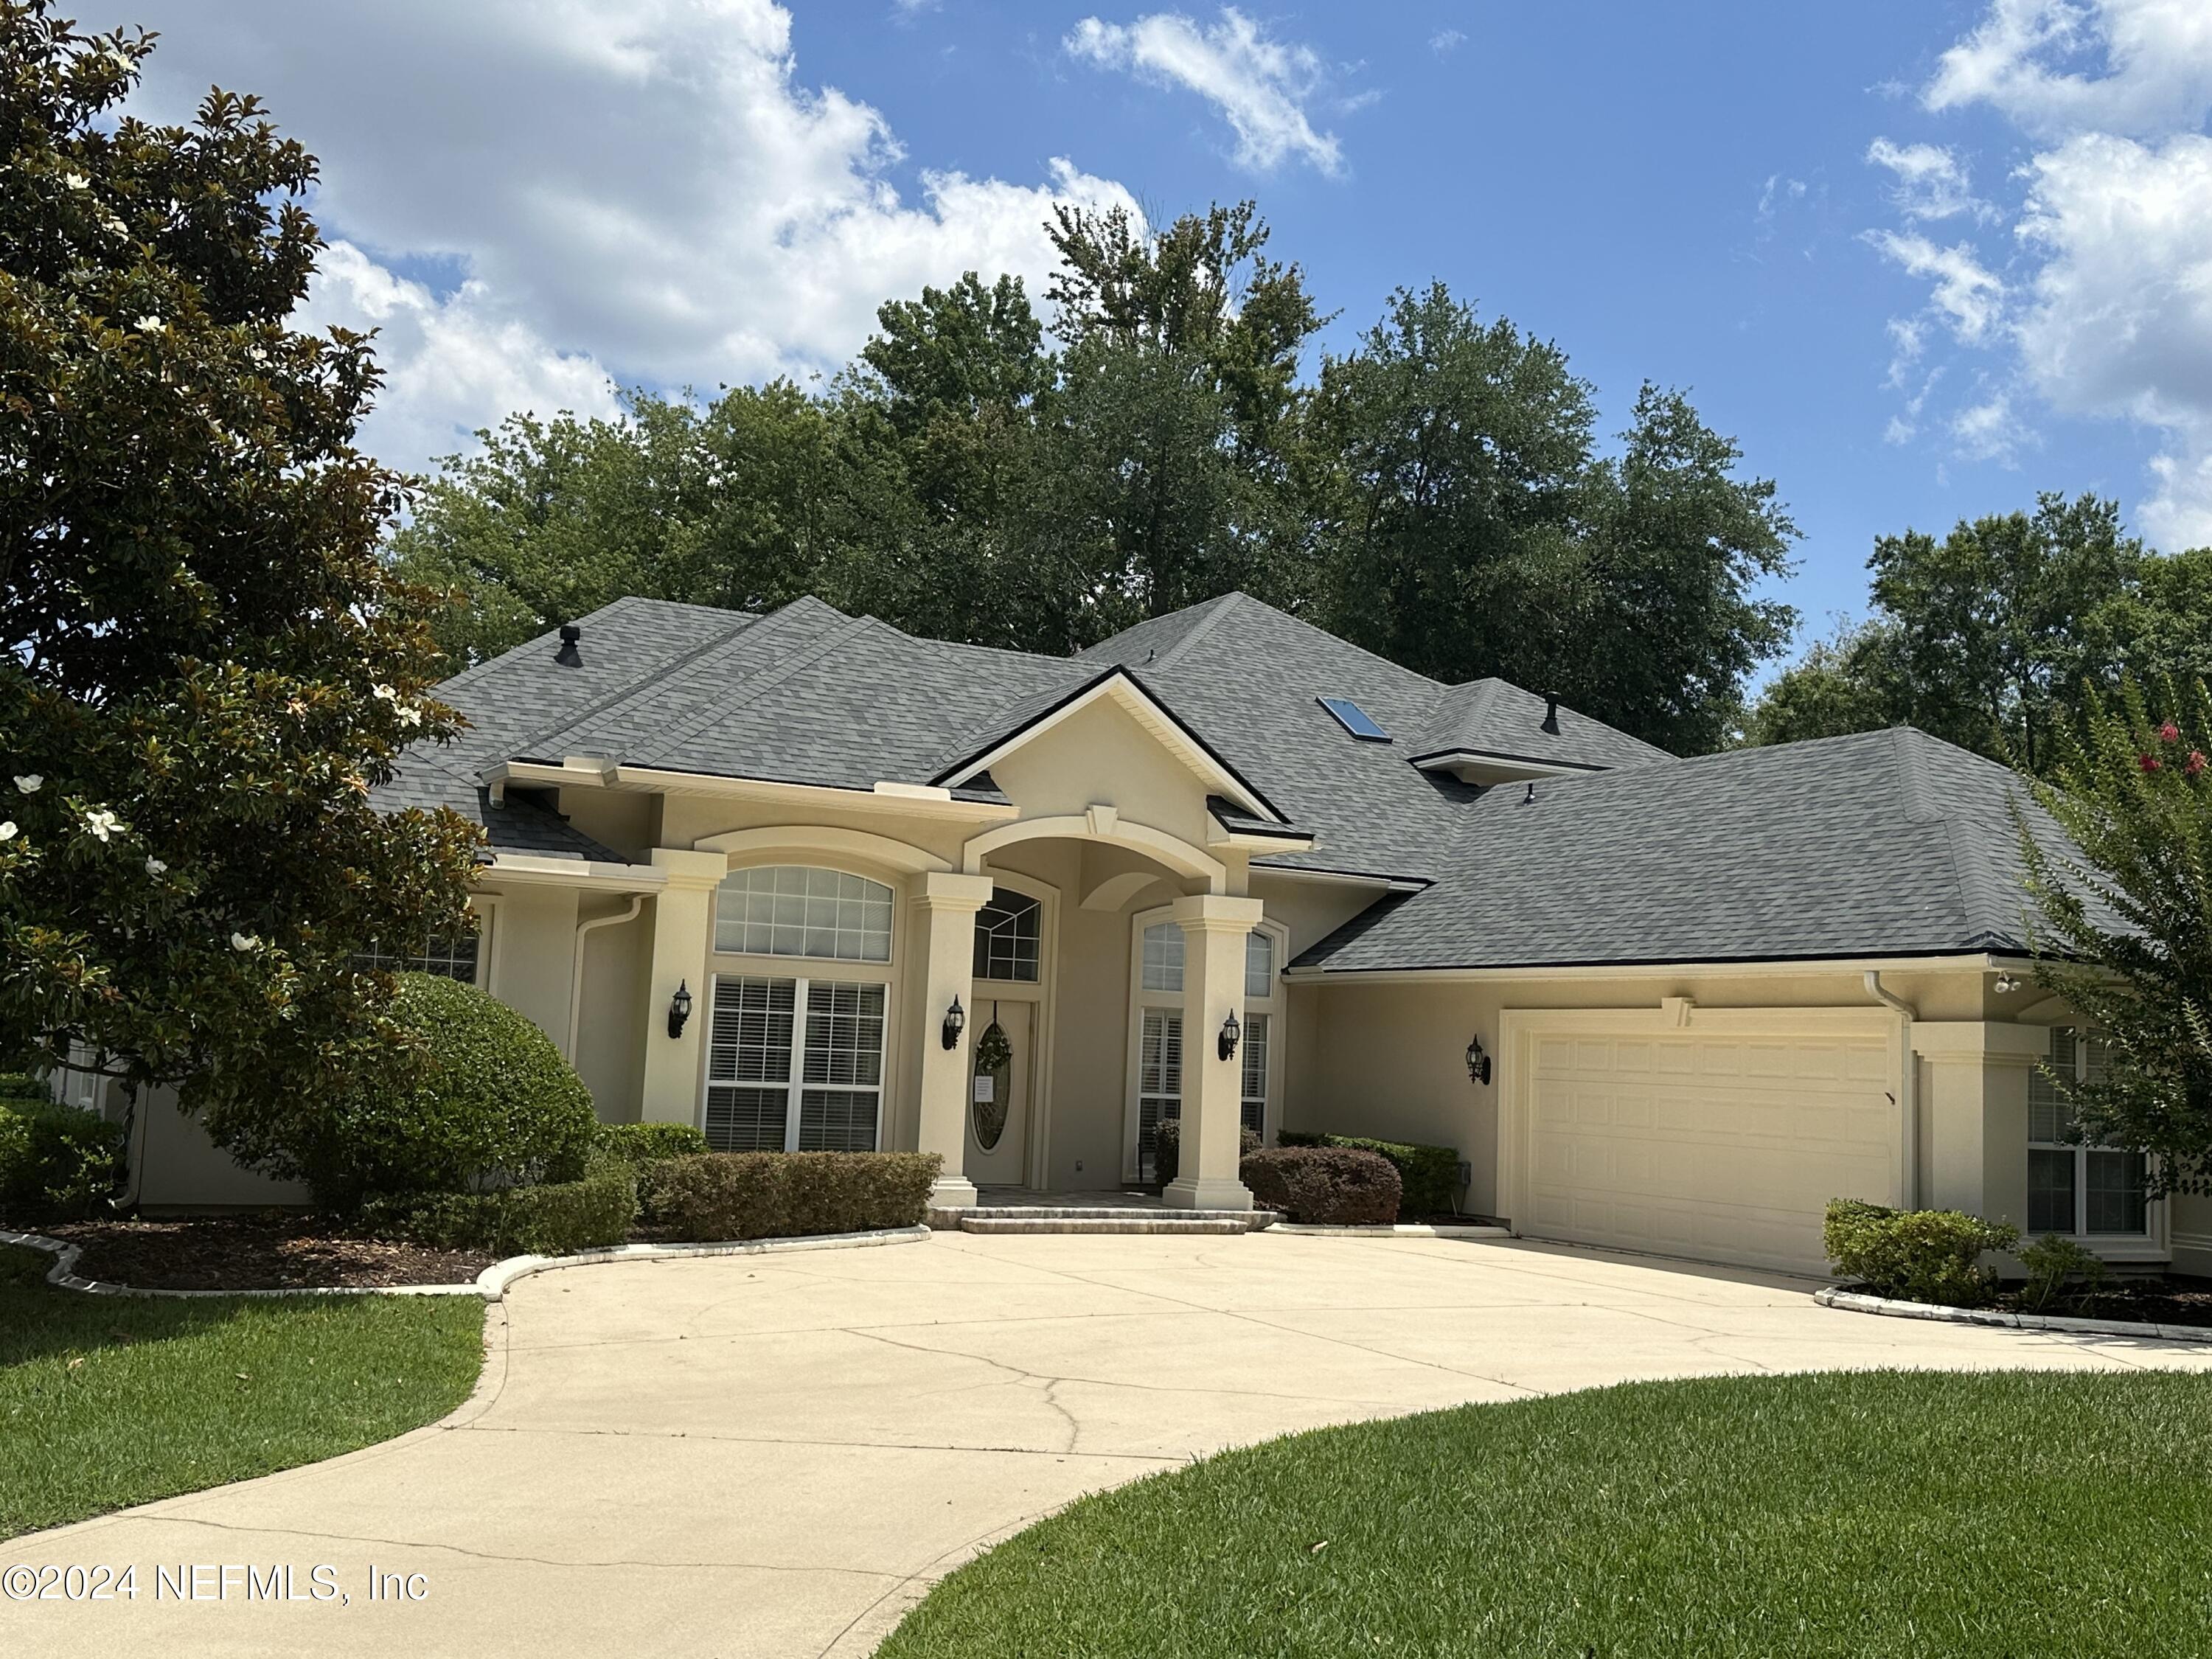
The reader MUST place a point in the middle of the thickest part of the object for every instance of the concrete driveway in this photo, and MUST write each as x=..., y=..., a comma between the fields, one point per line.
x=776, y=1454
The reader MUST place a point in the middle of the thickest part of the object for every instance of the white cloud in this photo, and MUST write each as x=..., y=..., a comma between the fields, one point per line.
x=1444, y=42
x=1932, y=182
x=1968, y=298
x=648, y=190
x=1262, y=85
x=2109, y=311
x=2039, y=62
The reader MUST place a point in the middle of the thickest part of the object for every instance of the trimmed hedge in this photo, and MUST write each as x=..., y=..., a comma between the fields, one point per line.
x=726, y=1196
x=553, y=1219
x=1330, y=1186
x=1916, y=1255
x=1167, y=1147
x=479, y=1098
x=57, y=1162
x=640, y=1144
x=1429, y=1175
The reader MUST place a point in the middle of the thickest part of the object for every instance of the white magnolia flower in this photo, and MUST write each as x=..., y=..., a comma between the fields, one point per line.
x=243, y=942
x=8, y=829
x=408, y=714
x=149, y=324
x=155, y=867
x=29, y=782
x=77, y=181
x=101, y=824
x=384, y=692
x=114, y=225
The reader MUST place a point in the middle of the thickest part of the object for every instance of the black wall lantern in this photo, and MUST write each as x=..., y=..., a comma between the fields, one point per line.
x=679, y=1008
x=956, y=1021
x=1231, y=1030
x=1477, y=1063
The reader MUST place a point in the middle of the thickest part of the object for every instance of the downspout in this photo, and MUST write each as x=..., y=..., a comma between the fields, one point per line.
x=1908, y=1079
x=577, y=968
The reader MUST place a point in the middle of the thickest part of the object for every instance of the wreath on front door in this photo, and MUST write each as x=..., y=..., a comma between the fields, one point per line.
x=994, y=1052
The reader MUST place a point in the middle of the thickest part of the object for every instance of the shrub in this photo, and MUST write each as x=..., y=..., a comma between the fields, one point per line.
x=546, y=1220
x=55, y=1161
x=479, y=1097
x=1429, y=1175
x=1917, y=1256
x=640, y=1144
x=2052, y=1261
x=1331, y=1186
x=723, y=1195
x=571, y=1215
x=1167, y=1147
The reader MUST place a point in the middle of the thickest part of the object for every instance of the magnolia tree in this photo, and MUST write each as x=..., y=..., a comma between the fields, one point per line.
x=205, y=668
x=2126, y=912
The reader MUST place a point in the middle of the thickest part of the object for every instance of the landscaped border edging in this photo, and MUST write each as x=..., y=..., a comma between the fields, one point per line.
x=1834, y=1296
x=1411, y=1230
x=491, y=1285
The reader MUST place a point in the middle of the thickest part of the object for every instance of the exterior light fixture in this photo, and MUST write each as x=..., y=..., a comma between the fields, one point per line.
x=679, y=1008
x=1231, y=1030
x=2006, y=985
x=1477, y=1063
x=956, y=1021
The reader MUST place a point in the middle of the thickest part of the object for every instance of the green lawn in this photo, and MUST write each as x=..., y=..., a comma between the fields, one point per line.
x=109, y=1400
x=1887, y=1513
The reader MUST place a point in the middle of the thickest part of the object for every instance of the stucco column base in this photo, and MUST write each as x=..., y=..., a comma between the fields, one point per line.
x=1198, y=1193
x=952, y=1192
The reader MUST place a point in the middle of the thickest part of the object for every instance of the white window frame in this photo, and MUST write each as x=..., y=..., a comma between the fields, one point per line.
x=1276, y=1008
x=2151, y=1242
x=797, y=1086
x=1040, y=994
x=804, y=972
x=805, y=865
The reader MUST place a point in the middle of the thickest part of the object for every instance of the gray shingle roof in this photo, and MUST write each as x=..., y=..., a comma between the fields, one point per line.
x=1884, y=843
x=1496, y=717
x=514, y=827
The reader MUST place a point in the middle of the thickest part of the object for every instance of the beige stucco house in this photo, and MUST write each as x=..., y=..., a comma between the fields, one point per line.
x=1228, y=867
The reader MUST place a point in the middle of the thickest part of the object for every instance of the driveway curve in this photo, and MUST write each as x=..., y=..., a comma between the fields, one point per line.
x=777, y=1455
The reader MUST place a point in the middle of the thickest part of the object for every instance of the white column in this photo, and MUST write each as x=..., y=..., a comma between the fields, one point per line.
x=683, y=918
x=946, y=903
x=1213, y=929
x=1976, y=1108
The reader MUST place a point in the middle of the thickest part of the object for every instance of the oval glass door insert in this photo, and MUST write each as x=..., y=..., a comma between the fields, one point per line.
x=994, y=1077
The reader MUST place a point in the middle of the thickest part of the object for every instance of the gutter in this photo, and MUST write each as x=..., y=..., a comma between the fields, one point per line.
x=577, y=968
x=1908, y=1077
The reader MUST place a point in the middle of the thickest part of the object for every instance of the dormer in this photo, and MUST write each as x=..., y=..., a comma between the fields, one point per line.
x=1491, y=730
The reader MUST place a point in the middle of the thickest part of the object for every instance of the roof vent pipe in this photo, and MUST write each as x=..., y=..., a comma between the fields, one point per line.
x=1551, y=715
x=568, y=656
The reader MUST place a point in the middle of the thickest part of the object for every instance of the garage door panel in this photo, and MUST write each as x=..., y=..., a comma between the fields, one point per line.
x=1723, y=1147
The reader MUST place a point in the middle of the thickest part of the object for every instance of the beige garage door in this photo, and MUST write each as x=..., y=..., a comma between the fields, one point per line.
x=1717, y=1146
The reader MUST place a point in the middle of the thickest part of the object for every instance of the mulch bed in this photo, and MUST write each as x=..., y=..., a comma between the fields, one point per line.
x=277, y=1251
x=2170, y=1299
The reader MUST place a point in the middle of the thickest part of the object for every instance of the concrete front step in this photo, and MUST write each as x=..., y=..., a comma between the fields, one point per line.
x=1124, y=1221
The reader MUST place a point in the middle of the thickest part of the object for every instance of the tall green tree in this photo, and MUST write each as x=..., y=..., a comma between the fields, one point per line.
x=204, y=665
x=1985, y=636
x=549, y=518
x=2126, y=918
x=1471, y=528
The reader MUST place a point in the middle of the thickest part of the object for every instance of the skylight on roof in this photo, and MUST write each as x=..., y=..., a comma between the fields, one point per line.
x=1354, y=719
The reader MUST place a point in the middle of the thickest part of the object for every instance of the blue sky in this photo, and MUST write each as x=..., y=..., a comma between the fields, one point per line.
x=1921, y=260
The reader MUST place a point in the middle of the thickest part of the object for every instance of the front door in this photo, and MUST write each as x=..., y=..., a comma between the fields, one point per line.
x=998, y=1094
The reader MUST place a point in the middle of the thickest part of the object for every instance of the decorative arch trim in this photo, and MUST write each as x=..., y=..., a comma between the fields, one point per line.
x=1179, y=855
x=802, y=840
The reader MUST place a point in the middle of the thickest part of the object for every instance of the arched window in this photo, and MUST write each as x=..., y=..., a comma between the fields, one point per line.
x=792, y=910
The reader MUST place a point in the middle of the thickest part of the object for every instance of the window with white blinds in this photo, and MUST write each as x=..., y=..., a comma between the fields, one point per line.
x=758, y=1101
x=2074, y=1187
x=1159, y=1080
x=1254, y=1110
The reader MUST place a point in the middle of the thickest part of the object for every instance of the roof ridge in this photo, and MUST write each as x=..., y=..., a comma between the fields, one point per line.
x=747, y=625
x=1221, y=603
